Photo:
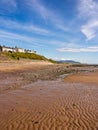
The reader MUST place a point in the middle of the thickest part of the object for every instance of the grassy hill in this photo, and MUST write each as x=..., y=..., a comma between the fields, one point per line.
x=21, y=55
x=4, y=57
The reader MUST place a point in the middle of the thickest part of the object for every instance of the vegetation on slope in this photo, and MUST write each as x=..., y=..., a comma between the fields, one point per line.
x=4, y=57
x=32, y=56
x=52, y=61
x=18, y=55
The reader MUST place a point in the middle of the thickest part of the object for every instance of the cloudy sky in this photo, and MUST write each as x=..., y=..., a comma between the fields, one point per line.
x=57, y=29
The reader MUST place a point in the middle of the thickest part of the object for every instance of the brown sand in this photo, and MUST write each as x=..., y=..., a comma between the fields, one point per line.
x=48, y=105
x=8, y=66
x=86, y=78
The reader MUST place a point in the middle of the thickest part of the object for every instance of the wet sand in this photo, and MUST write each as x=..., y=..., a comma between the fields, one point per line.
x=69, y=103
x=86, y=78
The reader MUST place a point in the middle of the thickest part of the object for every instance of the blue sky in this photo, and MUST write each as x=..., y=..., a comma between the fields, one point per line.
x=57, y=29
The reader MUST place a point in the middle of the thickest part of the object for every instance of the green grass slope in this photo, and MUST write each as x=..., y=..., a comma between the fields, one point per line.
x=31, y=56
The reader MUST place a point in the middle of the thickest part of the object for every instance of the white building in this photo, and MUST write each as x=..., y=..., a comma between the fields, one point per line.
x=19, y=49
x=7, y=49
x=16, y=49
x=29, y=51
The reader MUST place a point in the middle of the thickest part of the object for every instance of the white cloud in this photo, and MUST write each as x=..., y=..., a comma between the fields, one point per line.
x=90, y=29
x=26, y=27
x=8, y=36
x=87, y=49
x=48, y=14
x=11, y=3
x=35, y=41
x=8, y=5
x=88, y=11
x=39, y=8
x=87, y=8
x=61, y=58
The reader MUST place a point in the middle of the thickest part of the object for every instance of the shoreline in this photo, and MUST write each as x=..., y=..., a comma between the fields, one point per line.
x=41, y=97
x=17, y=74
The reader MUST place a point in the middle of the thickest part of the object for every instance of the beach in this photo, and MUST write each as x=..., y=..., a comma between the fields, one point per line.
x=45, y=96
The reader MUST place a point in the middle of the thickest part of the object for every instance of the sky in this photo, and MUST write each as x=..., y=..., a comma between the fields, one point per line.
x=57, y=29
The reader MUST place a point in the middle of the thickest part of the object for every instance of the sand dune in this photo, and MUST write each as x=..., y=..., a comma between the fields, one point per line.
x=51, y=105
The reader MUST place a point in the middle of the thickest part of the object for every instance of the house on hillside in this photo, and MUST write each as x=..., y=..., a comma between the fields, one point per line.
x=0, y=48
x=11, y=49
x=19, y=49
x=29, y=51
x=15, y=49
x=7, y=49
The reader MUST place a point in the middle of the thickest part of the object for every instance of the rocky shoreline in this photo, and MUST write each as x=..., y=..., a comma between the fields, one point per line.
x=19, y=76
x=40, y=97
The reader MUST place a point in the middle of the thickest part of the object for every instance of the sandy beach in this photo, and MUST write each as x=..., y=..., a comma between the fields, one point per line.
x=44, y=96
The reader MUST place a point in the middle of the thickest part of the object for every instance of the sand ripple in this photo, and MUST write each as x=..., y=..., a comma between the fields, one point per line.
x=50, y=105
